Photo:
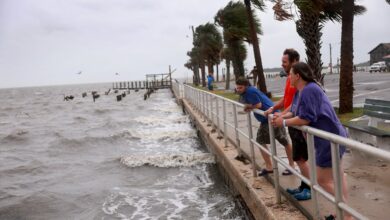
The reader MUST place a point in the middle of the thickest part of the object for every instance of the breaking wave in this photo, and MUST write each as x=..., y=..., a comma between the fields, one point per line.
x=16, y=135
x=168, y=160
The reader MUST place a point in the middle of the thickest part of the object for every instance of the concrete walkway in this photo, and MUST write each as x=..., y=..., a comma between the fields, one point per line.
x=368, y=180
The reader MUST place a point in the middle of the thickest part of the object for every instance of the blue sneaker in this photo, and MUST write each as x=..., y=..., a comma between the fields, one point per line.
x=293, y=191
x=304, y=195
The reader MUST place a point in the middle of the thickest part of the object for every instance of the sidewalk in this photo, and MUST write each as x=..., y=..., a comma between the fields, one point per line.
x=368, y=182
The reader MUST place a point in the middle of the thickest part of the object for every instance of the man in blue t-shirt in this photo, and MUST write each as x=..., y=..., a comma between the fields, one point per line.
x=210, y=80
x=255, y=99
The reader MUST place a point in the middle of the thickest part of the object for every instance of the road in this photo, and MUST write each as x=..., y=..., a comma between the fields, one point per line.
x=367, y=85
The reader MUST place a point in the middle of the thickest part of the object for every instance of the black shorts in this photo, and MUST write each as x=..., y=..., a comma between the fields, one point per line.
x=299, y=144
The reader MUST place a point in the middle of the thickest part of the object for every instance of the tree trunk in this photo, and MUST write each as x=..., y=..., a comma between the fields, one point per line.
x=346, y=68
x=203, y=70
x=256, y=50
x=196, y=75
x=217, y=72
x=309, y=28
x=210, y=67
x=238, y=63
x=227, y=77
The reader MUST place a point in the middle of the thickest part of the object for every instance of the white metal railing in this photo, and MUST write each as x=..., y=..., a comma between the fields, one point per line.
x=178, y=89
x=202, y=101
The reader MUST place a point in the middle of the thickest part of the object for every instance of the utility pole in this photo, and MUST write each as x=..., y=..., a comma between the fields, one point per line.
x=330, y=62
x=338, y=65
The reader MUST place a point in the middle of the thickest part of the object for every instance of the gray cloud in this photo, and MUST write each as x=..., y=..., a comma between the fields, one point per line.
x=48, y=41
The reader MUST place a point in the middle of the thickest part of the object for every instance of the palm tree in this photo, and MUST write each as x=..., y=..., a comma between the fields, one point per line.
x=259, y=74
x=346, y=67
x=312, y=16
x=193, y=65
x=209, y=41
x=229, y=56
x=226, y=54
x=233, y=19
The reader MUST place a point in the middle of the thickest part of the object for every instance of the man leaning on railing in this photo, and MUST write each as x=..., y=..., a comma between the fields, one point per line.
x=255, y=99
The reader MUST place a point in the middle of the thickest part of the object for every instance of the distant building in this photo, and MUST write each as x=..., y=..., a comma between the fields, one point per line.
x=379, y=52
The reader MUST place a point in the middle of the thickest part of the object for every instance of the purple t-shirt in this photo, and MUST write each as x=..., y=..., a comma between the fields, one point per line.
x=314, y=106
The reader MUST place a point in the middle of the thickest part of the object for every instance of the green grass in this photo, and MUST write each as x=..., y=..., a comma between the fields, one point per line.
x=344, y=118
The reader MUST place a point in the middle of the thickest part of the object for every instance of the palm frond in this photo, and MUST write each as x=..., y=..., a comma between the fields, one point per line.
x=281, y=11
x=259, y=4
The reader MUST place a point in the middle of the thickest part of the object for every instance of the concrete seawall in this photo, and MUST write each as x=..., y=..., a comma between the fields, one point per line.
x=257, y=193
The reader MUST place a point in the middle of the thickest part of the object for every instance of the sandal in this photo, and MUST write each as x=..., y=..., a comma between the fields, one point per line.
x=330, y=217
x=287, y=172
x=264, y=172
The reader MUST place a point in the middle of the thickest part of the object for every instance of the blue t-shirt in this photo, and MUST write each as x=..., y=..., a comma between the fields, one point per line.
x=210, y=80
x=254, y=96
x=314, y=106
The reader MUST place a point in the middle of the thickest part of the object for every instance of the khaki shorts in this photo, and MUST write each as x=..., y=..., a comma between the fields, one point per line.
x=263, y=135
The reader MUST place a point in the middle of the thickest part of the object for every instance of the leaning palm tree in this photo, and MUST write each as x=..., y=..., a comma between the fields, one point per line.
x=209, y=41
x=312, y=15
x=259, y=74
x=236, y=30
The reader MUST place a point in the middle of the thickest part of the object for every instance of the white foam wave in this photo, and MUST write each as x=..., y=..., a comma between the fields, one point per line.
x=151, y=120
x=168, y=160
x=148, y=135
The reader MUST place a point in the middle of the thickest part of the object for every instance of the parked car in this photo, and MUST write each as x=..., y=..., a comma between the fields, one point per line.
x=378, y=67
x=282, y=73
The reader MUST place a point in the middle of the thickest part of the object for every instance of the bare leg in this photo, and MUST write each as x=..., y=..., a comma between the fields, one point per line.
x=325, y=179
x=289, y=155
x=303, y=167
x=267, y=159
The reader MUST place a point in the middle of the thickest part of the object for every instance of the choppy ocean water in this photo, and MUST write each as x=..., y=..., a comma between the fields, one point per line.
x=133, y=159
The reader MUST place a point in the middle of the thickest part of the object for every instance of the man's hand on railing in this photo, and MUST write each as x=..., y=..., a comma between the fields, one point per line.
x=269, y=111
x=248, y=107
x=277, y=120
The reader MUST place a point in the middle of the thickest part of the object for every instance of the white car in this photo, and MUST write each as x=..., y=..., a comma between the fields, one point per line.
x=378, y=67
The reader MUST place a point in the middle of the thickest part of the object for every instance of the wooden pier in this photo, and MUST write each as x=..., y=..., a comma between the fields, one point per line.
x=153, y=81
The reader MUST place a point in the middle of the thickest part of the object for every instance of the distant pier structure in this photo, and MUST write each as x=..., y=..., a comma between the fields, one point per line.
x=152, y=83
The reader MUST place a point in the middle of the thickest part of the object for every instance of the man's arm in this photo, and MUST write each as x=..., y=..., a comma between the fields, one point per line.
x=249, y=107
x=279, y=104
x=296, y=121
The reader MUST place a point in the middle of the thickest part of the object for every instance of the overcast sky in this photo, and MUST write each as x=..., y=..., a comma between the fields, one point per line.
x=47, y=42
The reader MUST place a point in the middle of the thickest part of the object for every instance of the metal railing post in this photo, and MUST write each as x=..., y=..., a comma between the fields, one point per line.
x=250, y=132
x=313, y=174
x=204, y=107
x=337, y=178
x=224, y=123
x=217, y=116
x=211, y=110
x=236, y=129
x=274, y=162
